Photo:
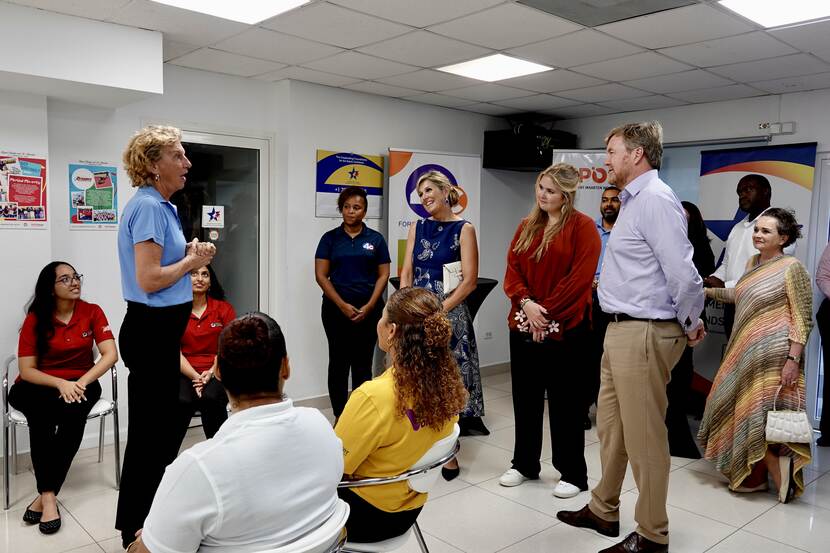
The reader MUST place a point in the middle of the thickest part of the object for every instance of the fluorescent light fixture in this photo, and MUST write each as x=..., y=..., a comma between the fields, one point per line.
x=244, y=11
x=495, y=68
x=774, y=13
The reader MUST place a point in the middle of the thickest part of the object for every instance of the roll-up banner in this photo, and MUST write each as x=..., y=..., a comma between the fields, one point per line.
x=405, y=168
x=594, y=175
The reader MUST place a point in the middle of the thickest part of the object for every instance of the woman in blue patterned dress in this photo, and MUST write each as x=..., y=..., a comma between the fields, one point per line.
x=432, y=243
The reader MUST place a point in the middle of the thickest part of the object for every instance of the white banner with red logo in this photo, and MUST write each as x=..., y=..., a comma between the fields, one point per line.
x=405, y=168
x=591, y=166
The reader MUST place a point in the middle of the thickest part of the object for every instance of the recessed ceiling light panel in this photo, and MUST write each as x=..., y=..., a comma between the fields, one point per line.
x=495, y=68
x=244, y=11
x=774, y=13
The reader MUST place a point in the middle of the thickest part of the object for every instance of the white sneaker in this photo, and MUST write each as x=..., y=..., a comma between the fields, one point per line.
x=563, y=490
x=512, y=477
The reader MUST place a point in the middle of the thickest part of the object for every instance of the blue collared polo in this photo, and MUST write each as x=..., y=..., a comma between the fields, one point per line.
x=354, y=262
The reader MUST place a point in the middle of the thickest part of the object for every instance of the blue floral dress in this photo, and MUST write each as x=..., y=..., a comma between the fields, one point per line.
x=436, y=244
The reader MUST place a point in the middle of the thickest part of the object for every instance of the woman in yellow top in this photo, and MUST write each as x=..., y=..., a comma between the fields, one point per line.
x=390, y=422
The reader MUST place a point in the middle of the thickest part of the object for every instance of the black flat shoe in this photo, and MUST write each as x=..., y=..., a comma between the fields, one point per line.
x=450, y=474
x=472, y=426
x=30, y=516
x=52, y=526
x=823, y=441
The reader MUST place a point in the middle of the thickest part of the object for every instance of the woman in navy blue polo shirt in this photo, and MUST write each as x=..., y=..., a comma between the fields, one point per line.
x=352, y=268
x=156, y=262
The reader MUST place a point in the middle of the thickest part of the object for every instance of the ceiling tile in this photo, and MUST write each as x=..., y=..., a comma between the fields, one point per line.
x=602, y=93
x=794, y=84
x=381, y=89
x=774, y=68
x=332, y=24
x=638, y=104
x=429, y=80
x=551, y=81
x=733, y=49
x=537, y=103
x=678, y=26
x=425, y=49
x=505, y=26
x=731, y=92
x=688, y=80
x=360, y=66
x=490, y=109
x=225, y=62
x=584, y=110
x=811, y=37
x=579, y=48
x=177, y=25
x=101, y=10
x=174, y=49
x=638, y=66
x=307, y=75
x=274, y=46
x=439, y=100
x=418, y=14
x=488, y=92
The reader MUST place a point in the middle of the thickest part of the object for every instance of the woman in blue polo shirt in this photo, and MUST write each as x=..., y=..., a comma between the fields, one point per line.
x=352, y=268
x=156, y=262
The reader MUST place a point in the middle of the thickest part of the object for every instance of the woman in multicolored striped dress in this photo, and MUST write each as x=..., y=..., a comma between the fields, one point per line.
x=773, y=319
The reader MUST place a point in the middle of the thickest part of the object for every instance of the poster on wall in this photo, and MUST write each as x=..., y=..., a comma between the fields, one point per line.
x=93, y=196
x=23, y=191
x=593, y=176
x=405, y=168
x=337, y=170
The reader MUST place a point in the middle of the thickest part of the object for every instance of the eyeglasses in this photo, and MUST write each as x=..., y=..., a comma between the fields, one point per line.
x=66, y=280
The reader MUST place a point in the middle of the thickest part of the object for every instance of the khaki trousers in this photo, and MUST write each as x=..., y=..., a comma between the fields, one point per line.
x=631, y=414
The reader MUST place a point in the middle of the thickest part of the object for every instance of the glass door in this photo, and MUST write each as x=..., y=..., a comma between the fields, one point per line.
x=230, y=177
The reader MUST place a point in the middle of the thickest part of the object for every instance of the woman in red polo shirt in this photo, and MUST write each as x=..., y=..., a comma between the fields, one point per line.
x=58, y=382
x=200, y=344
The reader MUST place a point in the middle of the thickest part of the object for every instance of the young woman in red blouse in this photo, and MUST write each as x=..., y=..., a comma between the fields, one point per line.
x=58, y=382
x=550, y=269
x=198, y=388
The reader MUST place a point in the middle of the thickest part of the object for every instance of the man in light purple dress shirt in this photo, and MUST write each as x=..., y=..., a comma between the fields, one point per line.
x=654, y=297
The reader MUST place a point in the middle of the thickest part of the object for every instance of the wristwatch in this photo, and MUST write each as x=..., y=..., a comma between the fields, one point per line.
x=796, y=358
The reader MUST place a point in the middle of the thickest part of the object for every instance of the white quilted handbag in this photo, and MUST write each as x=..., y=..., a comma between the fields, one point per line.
x=788, y=426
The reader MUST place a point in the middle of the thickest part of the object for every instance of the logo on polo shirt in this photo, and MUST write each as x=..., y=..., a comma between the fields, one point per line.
x=86, y=333
x=214, y=325
x=368, y=246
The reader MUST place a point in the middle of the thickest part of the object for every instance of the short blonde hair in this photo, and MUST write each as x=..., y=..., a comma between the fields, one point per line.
x=144, y=148
x=647, y=135
x=440, y=180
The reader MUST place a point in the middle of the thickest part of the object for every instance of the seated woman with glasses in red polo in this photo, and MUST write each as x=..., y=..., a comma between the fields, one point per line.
x=58, y=382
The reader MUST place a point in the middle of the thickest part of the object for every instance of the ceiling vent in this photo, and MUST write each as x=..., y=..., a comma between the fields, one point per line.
x=599, y=12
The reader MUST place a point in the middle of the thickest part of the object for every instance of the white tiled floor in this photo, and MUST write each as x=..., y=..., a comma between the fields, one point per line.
x=474, y=514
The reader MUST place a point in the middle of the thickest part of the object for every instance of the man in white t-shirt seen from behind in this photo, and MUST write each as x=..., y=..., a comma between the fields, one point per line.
x=267, y=478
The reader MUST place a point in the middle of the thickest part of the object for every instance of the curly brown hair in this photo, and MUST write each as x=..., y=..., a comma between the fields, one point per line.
x=427, y=378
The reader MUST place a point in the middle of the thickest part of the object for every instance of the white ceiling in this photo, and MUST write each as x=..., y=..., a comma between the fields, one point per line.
x=697, y=53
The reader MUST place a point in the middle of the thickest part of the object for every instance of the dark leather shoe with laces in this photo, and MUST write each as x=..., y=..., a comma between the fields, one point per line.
x=52, y=526
x=635, y=543
x=584, y=518
x=30, y=516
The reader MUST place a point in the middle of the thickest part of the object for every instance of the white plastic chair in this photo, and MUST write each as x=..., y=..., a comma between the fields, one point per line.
x=421, y=478
x=327, y=538
x=12, y=418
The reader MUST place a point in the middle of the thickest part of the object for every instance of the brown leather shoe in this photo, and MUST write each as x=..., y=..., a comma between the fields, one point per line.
x=584, y=518
x=635, y=543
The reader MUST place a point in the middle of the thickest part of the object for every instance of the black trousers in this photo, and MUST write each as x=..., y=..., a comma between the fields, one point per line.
x=555, y=367
x=213, y=405
x=56, y=429
x=728, y=319
x=678, y=390
x=823, y=322
x=368, y=524
x=595, y=348
x=351, y=348
x=150, y=341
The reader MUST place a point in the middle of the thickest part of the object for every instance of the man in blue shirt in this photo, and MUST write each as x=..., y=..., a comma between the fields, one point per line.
x=609, y=208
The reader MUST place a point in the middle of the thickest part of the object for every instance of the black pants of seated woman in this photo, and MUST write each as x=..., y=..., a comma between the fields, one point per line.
x=149, y=341
x=681, y=441
x=56, y=429
x=212, y=406
x=558, y=368
x=368, y=524
x=351, y=348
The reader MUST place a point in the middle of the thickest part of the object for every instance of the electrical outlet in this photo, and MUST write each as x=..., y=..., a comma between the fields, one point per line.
x=488, y=335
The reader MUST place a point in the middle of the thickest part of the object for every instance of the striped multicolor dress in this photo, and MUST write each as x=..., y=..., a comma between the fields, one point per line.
x=773, y=305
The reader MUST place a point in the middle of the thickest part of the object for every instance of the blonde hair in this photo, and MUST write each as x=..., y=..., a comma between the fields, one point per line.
x=440, y=180
x=566, y=178
x=647, y=135
x=144, y=148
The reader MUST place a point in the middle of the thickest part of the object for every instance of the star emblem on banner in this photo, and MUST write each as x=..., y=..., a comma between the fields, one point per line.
x=214, y=214
x=353, y=173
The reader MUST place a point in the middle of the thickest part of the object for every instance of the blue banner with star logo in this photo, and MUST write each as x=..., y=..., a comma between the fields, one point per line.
x=339, y=170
